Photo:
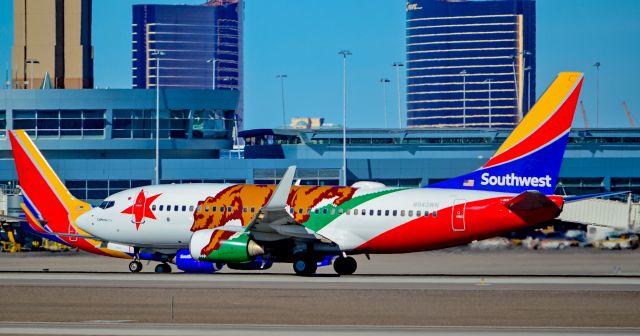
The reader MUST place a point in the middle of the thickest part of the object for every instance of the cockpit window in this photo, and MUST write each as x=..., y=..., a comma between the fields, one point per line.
x=107, y=204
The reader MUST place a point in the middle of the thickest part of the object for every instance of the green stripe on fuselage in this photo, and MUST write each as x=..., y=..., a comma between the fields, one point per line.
x=317, y=221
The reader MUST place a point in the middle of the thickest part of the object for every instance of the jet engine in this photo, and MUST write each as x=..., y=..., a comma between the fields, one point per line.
x=223, y=246
x=186, y=263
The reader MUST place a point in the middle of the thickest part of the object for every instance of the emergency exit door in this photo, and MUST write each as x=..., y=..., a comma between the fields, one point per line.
x=457, y=215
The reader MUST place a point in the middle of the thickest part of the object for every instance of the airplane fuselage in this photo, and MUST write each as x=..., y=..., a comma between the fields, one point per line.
x=357, y=220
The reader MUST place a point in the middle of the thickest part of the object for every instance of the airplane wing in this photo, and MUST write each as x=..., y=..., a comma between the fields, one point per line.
x=273, y=222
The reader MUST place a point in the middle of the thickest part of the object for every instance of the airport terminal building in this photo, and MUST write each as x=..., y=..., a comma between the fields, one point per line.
x=103, y=141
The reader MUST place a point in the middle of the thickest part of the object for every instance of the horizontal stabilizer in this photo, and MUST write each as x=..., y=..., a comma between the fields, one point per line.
x=529, y=200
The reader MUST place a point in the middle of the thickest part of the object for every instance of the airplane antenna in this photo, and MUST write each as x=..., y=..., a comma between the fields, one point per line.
x=629, y=115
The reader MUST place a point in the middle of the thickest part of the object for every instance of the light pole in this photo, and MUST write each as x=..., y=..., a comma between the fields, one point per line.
x=488, y=81
x=344, y=54
x=157, y=54
x=384, y=82
x=528, y=70
x=31, y=61
x=597, y=65
x=213, y=72
x=464, y=98
x=515, y=86
x=284, y=117
x=397, y=65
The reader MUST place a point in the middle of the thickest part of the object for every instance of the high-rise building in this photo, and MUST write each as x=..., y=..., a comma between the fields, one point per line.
x=192, y=46
x=470, y=63
x=54, y=37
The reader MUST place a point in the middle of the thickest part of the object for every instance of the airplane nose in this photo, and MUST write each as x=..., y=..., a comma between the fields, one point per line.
x=85, y=222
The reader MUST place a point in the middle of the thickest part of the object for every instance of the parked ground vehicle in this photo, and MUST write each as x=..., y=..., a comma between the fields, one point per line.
x=620, y=240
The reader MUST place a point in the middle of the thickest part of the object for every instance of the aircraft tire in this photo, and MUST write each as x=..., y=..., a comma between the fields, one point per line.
x=163, y=268
x=135, y=266
x=345, y=266
x=304, y=266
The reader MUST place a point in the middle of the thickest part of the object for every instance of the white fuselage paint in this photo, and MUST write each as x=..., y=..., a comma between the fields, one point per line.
x=172, y=229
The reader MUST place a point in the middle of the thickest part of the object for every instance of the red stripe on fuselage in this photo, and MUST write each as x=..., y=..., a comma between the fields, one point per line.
x=483, y=219
x=43, y=197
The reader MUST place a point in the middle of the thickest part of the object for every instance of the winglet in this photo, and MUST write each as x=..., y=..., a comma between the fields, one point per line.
x=279, y=198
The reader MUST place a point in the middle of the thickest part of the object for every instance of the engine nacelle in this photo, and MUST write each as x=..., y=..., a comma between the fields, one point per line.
x=186, y=263
x=224, y=246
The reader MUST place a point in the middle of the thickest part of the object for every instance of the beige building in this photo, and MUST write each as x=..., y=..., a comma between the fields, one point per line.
x=52, y=36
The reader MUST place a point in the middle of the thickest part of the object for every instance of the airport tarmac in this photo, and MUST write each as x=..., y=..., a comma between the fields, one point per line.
x=447, y=292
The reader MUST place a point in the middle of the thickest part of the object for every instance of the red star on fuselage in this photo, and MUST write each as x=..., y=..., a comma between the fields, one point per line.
x=141, y=208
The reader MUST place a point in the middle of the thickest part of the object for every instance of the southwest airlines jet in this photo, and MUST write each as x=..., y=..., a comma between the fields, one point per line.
x=241, y=224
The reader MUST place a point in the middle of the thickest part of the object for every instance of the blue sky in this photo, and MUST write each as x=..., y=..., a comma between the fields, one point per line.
x=301, y=38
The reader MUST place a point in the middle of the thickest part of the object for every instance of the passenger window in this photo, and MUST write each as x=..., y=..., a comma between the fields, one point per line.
x=213, y=209
x=371, y=212
x=324, y=211
x=308, y=210
x=191, y=208
x=410, y=213
x=184, y=208
x=386, y=212
x=348, y=211
x=333, y=211
x=418, y=213
x=395, y=213
x=161, y=207
x=229, y=209
x=176, y=207
x=340, y=211
x=200, y=208
x=300, y=210
x=379, y=212
x=253, y=209
x=153, y=207
x=244, y=209
x=435, y=214
x=221, y=209
x=355, y=212
x=291, y=211
x=317, y=211
x=168, y=208
x=364, y=212
x=402, y=213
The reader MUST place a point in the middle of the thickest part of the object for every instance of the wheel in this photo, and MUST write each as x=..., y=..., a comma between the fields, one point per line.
x=163, y=268
x=135, y=266
x=345, y=266
x=304, y=266
x=561, y=247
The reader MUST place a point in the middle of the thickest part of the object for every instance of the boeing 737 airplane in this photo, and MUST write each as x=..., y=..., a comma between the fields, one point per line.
x=304, y=225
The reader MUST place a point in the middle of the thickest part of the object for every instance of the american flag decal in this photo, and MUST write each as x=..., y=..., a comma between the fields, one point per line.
x=468, y=183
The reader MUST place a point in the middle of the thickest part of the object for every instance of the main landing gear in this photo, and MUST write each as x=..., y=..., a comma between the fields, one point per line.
x=163, y=268
x=304, y=265
x=345, y=265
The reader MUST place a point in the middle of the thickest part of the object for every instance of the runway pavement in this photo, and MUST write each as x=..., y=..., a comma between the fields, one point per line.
x=501, y=290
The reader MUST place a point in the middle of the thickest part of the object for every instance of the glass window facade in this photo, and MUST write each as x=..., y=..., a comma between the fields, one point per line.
x=100, y=189
x=61, y=123
x=469, y=63
x=188, y=36
x=3, y=124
